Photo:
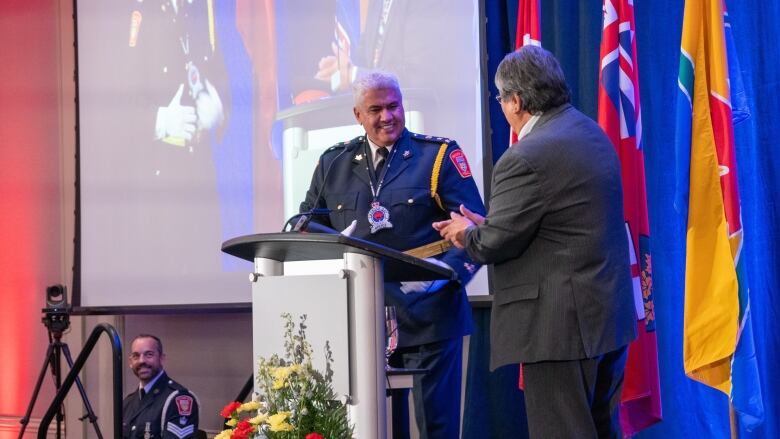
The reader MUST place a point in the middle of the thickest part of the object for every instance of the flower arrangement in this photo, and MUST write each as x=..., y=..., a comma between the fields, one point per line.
x=295, y=401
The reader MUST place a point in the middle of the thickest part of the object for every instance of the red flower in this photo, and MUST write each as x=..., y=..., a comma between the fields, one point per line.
x=314, y=436
x=244, y=425
x=229, y=409
x=243, y=430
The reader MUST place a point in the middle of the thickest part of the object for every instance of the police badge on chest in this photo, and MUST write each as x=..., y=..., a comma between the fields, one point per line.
x=379, y=217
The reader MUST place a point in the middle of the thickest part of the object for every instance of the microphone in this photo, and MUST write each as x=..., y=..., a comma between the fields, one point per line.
x=302, y=221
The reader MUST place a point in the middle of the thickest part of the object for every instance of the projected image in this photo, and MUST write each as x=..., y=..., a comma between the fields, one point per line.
x=432, y=46
x=201, y=121
x=176, y=104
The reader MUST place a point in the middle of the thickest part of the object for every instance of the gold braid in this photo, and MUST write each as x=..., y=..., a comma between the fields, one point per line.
x=435, y=174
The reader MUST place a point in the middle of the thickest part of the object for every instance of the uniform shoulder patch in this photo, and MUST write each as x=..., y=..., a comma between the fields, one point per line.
x=461, y=164
x=184, y=405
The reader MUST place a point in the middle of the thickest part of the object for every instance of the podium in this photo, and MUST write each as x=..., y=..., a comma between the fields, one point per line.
x=338, y=282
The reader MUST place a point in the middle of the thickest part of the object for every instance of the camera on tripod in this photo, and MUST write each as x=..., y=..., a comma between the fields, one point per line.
x=56, y=318
x=56, y=315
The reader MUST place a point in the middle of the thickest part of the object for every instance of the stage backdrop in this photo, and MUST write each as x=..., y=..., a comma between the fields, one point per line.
x=571, y=29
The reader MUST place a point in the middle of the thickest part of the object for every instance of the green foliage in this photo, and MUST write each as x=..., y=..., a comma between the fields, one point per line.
x=296, y=399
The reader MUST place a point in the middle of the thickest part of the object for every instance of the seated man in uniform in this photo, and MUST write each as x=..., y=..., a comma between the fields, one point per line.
x=160, y=407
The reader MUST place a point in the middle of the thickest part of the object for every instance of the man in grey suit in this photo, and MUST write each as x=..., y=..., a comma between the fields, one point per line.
x=555, y=235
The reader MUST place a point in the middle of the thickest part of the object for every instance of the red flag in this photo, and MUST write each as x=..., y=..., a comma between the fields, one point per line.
x=529, y=31
x=620, y=117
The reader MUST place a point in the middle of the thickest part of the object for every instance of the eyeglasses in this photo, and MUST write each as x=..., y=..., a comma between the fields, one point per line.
x=501, y=98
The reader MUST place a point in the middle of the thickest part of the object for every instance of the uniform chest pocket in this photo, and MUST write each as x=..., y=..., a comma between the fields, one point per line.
x=411, y=210
x=342, y=209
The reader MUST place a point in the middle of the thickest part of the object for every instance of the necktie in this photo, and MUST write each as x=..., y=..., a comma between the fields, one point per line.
x=143, y=393
x=381, y=160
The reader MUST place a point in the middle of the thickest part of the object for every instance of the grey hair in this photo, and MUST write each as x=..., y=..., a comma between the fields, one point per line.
x=374, y=80
x=535, y=76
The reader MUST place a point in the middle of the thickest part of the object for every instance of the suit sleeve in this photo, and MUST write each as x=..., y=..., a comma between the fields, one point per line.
x=516, y=209
x=180, y=415
x=456, y=187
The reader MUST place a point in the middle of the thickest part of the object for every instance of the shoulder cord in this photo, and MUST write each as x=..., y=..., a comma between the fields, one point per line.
x=435, y=175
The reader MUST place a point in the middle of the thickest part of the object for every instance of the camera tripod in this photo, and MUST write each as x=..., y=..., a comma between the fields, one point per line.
x=57, y=321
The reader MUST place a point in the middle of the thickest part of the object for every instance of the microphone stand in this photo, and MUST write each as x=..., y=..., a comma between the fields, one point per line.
x=303, y=220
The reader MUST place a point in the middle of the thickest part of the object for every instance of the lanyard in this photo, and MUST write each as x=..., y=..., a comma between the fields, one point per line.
x=388, y=162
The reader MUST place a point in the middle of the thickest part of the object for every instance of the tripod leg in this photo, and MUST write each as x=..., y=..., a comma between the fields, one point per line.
x=57, y=371
x=46, y=363
x=90, y=413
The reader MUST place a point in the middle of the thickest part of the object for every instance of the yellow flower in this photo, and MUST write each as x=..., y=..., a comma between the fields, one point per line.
x=259, y=419
x=224, y=434
x=281, y=373
x=232, y=422
x=249, y=406
x=284, y=426
x=278, y=422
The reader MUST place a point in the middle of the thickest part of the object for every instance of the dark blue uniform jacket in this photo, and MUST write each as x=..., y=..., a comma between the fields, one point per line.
x=406, y=193
x=168, y=411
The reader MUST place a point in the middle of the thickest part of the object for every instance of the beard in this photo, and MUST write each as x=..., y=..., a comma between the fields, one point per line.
x=146, y=372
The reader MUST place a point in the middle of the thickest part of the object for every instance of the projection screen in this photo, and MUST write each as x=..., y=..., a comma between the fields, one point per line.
x=202, y=120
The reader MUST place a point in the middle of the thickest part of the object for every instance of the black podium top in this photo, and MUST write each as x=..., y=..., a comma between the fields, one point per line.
x=295, y=246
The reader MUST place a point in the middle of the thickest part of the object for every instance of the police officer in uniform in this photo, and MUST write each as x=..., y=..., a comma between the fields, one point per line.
x=160, y=407
x=394, y=184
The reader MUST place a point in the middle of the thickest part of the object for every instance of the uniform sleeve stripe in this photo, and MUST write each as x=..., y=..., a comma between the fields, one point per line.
x=180, y=432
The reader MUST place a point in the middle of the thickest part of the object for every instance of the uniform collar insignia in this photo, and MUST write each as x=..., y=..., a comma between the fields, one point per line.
x=407, y=154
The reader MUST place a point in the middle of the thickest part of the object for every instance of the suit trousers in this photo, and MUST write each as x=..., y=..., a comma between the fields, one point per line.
x=436, y=393
x=575, y=399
